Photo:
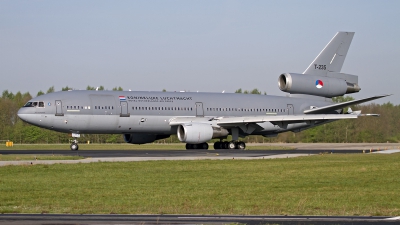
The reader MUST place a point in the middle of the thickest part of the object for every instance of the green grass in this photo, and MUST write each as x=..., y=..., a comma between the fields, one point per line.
x=350, y=184
x=83, y=146
x=18, y=157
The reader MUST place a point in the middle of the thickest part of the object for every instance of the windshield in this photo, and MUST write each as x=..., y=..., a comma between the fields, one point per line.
x=34, y=104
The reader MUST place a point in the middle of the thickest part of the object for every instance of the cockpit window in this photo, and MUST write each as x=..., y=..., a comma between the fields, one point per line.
x=34, y=104
x=29, y=104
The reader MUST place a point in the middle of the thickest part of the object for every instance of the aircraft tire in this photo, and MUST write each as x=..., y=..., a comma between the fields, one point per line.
x=232, y=145
x=217, y=145
x=241, y=145
x=74, y=147
x=203, y=145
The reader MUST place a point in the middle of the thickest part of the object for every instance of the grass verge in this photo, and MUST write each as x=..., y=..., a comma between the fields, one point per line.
x=19, y=157
x=350, y=184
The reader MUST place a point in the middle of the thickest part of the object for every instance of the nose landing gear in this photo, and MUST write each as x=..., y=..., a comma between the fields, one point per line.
x=74, y=145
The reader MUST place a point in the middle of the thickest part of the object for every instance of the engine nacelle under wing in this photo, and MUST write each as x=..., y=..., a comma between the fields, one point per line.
x=195, y=133
x=323, y=86
x=137, y=138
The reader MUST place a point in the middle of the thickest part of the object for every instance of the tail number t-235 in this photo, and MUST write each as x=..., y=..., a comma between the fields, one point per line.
x=320, y=67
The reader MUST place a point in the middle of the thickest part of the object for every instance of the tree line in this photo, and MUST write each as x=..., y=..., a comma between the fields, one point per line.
x=363, y=129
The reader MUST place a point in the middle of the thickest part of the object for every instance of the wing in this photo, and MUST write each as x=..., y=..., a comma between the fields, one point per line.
x=250, y=123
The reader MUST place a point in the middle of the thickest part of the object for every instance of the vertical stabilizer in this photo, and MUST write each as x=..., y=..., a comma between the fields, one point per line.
x=331, y=58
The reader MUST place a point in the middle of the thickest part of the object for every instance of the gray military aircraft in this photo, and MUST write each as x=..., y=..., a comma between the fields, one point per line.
x=143, y=117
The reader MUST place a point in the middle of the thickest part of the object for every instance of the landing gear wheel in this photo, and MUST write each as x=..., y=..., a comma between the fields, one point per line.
x=74, y=146
x=217, y=145
x=241, y=145
x=225, y=145
x=203, y=146
x=232, y=145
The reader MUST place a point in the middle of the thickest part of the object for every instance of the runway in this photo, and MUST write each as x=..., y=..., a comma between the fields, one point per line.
x=64, y=219
x=91, y=156
x=175, y=153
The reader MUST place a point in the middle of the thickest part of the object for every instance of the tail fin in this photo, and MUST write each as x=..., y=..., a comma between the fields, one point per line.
x=331, y=58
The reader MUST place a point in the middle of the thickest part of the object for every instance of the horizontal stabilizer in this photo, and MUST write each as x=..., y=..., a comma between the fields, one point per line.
x=341, y=105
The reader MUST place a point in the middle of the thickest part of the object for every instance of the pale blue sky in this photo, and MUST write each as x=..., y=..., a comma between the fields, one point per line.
x=192, y=45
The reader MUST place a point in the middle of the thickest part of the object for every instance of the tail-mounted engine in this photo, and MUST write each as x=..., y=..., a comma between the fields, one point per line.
x=332, y=85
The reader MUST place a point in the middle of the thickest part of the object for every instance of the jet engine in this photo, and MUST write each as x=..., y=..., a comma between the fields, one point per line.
x=324, y=86
x=196, y=133
x=142, y=138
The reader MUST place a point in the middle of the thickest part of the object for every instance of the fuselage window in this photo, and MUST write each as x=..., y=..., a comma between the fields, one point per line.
x=41, y=104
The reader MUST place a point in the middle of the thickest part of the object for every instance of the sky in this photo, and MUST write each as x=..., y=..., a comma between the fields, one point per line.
x=205, y=46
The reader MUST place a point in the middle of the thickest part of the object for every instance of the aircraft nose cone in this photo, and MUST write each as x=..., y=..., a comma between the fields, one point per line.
x=23, y=115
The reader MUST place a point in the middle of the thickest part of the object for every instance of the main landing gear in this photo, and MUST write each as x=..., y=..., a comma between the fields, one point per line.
x=197, y=146
x=229, y=145
x=219, y=145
